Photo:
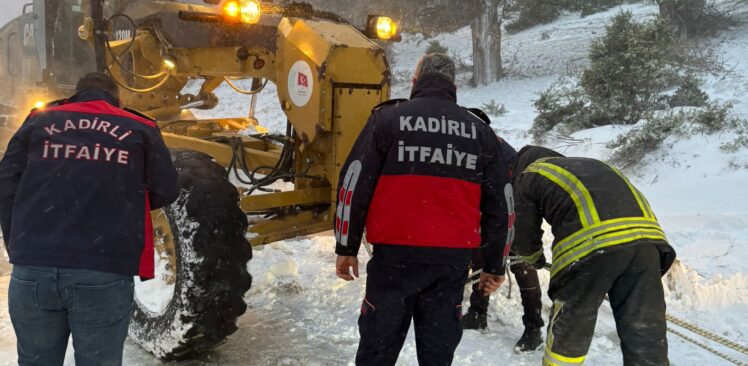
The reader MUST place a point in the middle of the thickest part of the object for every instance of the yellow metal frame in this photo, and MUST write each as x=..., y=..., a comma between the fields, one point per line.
x=164, y=244
x=348, y=73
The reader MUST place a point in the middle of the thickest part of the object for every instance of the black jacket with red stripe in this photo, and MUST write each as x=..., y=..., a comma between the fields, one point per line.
x=428, y=181
x=77, y=183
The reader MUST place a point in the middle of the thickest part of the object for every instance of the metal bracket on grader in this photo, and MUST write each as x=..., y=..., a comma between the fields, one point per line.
x=328, y=76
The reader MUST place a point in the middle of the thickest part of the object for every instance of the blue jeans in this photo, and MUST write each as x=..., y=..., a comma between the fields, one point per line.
x=48, y=304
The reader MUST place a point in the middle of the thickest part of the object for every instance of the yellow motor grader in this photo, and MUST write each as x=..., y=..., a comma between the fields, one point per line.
x=328, y=75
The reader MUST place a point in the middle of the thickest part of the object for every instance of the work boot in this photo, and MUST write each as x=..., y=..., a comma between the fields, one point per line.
x=474, y=320
x=531, y=340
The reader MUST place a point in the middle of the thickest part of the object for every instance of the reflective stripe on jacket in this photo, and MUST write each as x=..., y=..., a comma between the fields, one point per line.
x=590, y=205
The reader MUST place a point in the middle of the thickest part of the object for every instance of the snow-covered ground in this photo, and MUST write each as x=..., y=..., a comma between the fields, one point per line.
x=301, y=314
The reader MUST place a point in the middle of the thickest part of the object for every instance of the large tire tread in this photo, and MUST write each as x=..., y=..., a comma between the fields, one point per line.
x=209, y=229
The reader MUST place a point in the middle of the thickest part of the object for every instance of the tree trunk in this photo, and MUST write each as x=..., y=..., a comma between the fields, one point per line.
x=686, y=17
x=486, y=29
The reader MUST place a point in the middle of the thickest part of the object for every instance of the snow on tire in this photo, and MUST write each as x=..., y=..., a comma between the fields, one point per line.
x=202, y=275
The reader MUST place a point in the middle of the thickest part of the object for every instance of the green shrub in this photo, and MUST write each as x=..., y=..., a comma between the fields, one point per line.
x=561, y=105
x=714, y=117
x=588, y=7
x=689, y=94
x=740, y=142
x=631, y=148
x=436, y=47
x=494, y=109
x=736, y=127
x=633, y=68
x=533, y=12
x=630, y=68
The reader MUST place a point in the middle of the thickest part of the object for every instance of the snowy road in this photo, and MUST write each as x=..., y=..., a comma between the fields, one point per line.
x=301, y=314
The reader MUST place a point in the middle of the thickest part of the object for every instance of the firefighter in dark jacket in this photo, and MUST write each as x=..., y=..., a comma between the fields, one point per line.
x=77, y=184
x=526, y=275
x=427, y=180
x=607, y=242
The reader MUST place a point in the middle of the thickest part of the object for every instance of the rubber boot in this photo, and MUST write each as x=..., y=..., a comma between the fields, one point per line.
x=474, y=320
x=531, y=340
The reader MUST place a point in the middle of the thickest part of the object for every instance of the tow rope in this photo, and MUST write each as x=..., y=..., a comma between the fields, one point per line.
x=475, y=277
x=708, y=335
x=706, y=347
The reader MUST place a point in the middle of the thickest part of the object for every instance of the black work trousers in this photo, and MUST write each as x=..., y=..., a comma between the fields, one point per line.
x=631, y=278
x=428, y=294
x=529, y=290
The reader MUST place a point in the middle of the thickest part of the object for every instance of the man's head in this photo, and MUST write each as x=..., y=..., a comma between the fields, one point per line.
x=435, y=64
x=98, y=81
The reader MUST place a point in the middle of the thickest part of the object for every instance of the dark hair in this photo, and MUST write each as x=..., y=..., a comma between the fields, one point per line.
x=98, y=81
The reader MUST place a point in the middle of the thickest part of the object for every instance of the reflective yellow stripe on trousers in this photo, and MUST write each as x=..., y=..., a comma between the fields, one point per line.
x=554, y=359
x=551, y=358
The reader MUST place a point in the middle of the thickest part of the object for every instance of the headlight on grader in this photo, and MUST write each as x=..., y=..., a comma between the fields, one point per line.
x=382, y=27
x=39, y=104
x=250, y=12
x=246, y=11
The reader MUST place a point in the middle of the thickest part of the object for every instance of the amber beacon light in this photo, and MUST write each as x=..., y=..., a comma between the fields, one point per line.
x=246, y=11
x=382, y=27
x=231, y=9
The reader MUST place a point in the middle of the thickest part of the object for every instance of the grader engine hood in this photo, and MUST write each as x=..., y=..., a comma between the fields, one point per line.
x=305, y=57
x=192, y=27
x=328, y=76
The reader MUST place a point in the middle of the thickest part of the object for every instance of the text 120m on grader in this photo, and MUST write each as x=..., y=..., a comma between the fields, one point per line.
x=328, y=73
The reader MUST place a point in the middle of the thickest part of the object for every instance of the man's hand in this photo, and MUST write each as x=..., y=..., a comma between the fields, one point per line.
x=489, y=283
x=343, y=267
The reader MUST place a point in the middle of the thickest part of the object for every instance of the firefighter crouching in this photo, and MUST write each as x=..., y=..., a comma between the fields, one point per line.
x=607, y=241
x=426, y=179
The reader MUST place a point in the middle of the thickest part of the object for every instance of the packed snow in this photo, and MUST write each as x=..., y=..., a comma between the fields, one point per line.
x=301, y=314
x=156, y=294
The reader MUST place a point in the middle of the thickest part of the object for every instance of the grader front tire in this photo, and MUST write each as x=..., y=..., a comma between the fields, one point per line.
x=202, y=259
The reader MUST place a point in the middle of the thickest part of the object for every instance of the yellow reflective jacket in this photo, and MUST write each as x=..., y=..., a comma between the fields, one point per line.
x=591, y=207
